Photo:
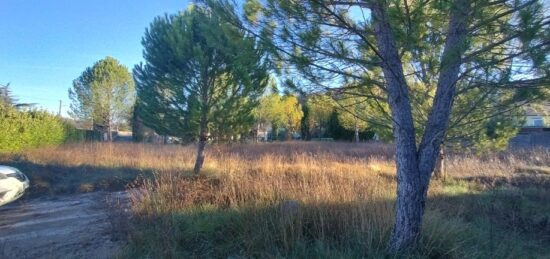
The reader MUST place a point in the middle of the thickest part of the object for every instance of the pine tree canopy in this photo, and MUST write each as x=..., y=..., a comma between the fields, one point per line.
x=199, y=68
x=332, y=46
x=103, y=94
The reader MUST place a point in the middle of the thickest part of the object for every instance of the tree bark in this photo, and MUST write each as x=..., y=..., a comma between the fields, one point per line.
x=439, y=170
x=410, y=190
x=203, y=138
x=289, y=131
x=451, y=60
x=415, y=166
x=111, y=133
x=356, y=134
x=200, y=156
x=257, y=133
x=109, y=130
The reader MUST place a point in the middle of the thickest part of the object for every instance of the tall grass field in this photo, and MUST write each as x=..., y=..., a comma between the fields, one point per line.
x=302, y=199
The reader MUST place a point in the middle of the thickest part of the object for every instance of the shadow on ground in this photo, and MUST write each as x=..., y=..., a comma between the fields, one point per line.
x=53, y=179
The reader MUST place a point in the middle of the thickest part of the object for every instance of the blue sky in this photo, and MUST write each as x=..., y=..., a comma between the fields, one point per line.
x=45, y=44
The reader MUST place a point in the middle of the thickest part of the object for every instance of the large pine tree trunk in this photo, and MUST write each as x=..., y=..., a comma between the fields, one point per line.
x=411, y=200
x=410, y=193
x=415, y=165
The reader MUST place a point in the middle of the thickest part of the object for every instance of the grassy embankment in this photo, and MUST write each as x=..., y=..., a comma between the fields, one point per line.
x=341, y=200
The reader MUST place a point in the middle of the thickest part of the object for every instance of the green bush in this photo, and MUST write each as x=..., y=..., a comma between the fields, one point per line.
x=21, y=130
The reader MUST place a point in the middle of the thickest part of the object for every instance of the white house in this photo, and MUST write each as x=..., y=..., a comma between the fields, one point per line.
x=536, y=130
x=537, y=117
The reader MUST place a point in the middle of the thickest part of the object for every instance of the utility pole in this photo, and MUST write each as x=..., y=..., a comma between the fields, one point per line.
x=59, y=113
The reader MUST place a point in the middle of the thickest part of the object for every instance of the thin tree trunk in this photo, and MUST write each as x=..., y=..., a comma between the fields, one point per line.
x=200, y=156
x=439, y=171
x=203, y=138
x=274, y=133
x=257, y=133
x=109, y=130
x=356, y=135
x=289, y=132
x=110, y=133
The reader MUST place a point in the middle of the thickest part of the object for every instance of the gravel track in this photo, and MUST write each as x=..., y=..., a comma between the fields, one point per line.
x=76, y=226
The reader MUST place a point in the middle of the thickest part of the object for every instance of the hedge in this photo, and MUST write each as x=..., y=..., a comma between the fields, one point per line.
x=30, y=129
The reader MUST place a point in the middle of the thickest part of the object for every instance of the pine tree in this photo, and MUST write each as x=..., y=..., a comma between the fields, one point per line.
x=421, y=57
x=202, y=76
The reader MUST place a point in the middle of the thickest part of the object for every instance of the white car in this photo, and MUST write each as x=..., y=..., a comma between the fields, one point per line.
x=13, y=184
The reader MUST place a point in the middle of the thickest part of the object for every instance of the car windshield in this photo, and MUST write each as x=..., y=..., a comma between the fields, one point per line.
x=18, y=175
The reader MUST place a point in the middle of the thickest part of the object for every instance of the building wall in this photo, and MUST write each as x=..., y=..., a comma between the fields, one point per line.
x=537, y=121
x=533, y=139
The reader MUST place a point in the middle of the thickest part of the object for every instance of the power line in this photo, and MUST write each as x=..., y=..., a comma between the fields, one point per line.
x=38, y=98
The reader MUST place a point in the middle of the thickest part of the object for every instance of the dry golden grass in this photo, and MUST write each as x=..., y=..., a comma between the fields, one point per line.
x=276, y=156
x=322, y=200
x=500, y=164
x=345, y=193
x=273, y=172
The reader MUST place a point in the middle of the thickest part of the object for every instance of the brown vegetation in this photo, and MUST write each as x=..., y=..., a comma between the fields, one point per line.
x=346, y=197
x=301, y=199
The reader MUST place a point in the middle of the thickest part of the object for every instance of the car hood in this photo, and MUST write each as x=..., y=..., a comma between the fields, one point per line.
x=7, y=169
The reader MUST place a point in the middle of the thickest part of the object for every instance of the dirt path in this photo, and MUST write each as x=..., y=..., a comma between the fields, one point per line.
x=76, y=226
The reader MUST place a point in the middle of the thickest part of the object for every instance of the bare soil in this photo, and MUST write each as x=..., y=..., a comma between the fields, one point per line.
x=76, y=226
